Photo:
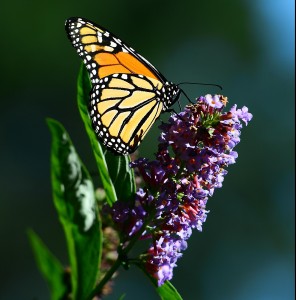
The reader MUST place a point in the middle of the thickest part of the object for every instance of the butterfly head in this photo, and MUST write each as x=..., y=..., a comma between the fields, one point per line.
x=170, y=94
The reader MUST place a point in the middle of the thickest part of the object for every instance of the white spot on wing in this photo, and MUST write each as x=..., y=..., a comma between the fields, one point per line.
x=113, y=44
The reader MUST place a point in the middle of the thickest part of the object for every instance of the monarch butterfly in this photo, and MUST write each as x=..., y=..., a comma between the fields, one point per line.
x=128, y=93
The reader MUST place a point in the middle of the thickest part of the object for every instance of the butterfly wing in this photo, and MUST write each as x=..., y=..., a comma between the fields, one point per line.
x=123, y=108
x=104, y=54
x=128, y=92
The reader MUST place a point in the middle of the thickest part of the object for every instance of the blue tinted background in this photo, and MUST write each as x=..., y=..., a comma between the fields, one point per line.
x=246, y=250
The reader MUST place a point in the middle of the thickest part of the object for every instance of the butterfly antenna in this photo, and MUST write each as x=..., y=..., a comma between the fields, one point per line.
x=201, y=83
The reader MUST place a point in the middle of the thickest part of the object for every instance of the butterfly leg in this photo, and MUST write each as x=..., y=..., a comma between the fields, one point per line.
x=187, y=97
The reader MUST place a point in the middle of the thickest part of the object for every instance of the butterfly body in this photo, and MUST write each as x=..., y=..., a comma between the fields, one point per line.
x=128, y=92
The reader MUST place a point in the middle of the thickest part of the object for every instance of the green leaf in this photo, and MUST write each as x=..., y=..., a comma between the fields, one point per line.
x=51, y=269
x=121, y=175
x=122, y=297
x=74, y=199
x=168, y=292
x=84, y=87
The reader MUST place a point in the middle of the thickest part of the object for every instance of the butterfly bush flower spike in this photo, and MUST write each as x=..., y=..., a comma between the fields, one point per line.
x=195, y=148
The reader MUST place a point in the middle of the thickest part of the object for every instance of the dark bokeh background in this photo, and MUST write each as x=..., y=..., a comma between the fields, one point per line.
x=246, y=250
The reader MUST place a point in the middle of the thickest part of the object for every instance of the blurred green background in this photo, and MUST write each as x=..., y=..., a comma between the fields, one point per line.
x=246, y=250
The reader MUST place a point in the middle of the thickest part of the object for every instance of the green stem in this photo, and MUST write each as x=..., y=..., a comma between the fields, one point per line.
x=117, y=263
x=106, y=278
x=138, y=234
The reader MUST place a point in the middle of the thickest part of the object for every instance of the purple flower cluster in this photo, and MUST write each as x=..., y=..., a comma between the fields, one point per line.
x=195, y=147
